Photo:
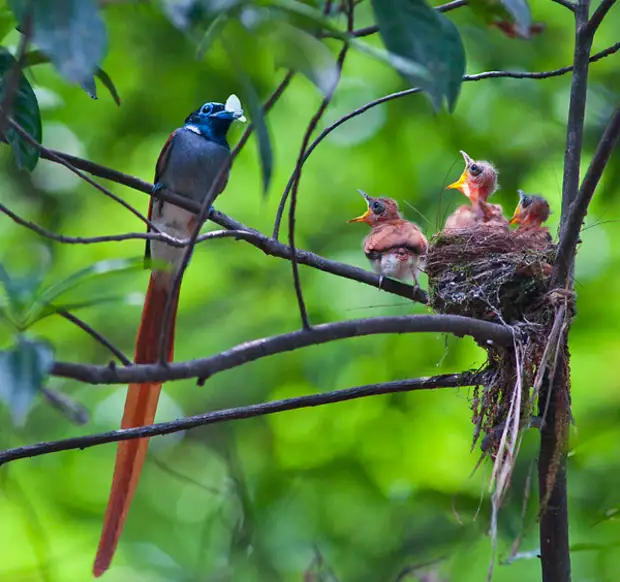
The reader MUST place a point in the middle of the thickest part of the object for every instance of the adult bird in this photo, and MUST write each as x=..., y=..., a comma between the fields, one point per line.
x=531, y=212
x=395, y=247
x=478, y=182
x=191, y=160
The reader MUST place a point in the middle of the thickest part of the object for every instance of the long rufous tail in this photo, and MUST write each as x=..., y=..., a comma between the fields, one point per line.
x=140, y=407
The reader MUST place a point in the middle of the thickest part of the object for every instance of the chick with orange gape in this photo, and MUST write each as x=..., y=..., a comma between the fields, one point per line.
x=529, y=215
x=478, y=182
x=395, y=247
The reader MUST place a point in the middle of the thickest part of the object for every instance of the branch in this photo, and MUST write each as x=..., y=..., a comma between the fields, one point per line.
x=467, y=78
x=242, y=412
x=64, y=162
x=579, y=208
x=261, y=348
x=305, y=322
x=598, y=16
x=96, y=336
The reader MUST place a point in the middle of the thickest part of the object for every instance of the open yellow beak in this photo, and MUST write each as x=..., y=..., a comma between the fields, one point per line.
x=458, y=185
x=516, y=218
x=361, y=218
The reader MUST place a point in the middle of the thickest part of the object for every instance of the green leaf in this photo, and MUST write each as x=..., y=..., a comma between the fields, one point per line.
x=97, y=270
x=401, y=64
x=25, y=112
x=38, y=57
x=22, y=372
x=71, y=32
x=299, y=51
x=414, y=31
x=213, y=30
x=7, y=20
x=257, y=116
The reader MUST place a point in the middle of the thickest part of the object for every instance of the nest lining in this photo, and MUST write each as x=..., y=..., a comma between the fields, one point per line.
x=500, y=276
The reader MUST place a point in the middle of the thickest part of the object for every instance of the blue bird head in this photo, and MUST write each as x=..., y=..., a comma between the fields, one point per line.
x=212, y=121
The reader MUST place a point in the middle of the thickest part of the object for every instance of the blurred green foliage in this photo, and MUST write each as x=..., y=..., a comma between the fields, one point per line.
x=374, y=485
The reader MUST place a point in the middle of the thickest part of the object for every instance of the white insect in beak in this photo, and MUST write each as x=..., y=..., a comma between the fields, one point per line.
x=234, y=106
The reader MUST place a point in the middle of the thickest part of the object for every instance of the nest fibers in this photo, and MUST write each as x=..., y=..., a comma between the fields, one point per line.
x=501, y=276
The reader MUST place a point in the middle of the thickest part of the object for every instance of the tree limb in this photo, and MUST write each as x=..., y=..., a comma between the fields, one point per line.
x=598, y=16
x=242, y=412
x=579, y=208
x=204, y=368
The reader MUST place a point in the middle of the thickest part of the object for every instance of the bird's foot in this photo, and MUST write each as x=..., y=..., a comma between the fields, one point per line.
x=381, y=279
x=158, y=187
x=210, y=212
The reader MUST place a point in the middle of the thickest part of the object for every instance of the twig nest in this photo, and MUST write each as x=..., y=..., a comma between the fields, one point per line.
x=489, y=273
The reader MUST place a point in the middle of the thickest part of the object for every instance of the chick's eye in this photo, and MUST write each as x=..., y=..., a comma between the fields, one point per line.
x=377, y=207
x=475, y=170
x=526, y=201
x=206, y=109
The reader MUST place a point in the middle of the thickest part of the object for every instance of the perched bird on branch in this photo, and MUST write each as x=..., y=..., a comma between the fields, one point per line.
x=478, y=182
x=192, y=159
x=395, y=247
x=530, y=213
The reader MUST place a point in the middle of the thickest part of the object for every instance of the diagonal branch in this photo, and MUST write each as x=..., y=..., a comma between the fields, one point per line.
x=251, y=351
x=95, y=335
x=49, y=154
x=305, y=322
x=579, y=208
x=242, y=412
x=598, y=16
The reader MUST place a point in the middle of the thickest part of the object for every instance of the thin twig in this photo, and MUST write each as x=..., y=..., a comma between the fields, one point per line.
x=243, y=412
x=598, y=16
x=13, y=78
x=63, y=161
x=578, y=210
x=75, y=412
x=251, y=351
x=467, y=78
x=96, y=336
x=305, y=322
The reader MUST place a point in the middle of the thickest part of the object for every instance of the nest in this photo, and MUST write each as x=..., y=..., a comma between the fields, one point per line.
x=488, y=273
x=500, y=276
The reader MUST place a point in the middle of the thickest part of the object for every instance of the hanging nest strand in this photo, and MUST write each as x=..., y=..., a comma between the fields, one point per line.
x=501, y=276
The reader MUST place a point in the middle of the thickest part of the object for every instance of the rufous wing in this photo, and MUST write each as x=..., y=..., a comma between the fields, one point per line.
x=395, y=234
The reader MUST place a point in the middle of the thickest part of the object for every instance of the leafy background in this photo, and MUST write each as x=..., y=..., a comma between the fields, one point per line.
x=376, y=484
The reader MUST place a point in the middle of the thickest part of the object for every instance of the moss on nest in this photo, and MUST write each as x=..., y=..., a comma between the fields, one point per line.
x=500, y=276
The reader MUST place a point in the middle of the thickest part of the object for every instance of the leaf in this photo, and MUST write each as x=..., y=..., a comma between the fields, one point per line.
x=213, y=30
x=412, y=30
x=400, y=63
x=22, y=371
x=7, y=20
x=89, y=87
x=299, y=51
x=38, y=57
x=97, y=270
x=71, y=32
x=25, y=112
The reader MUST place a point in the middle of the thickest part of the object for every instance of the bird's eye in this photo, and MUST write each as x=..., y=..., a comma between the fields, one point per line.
x=526, y=201
x=475, y=170
x=377, y=207
x=207, y=108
